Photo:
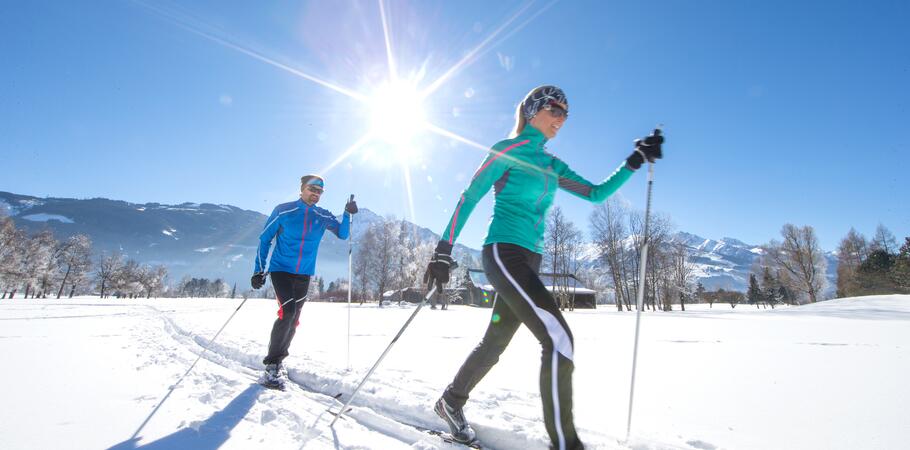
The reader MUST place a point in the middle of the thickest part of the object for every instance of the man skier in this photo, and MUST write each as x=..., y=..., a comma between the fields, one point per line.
x=297, y=229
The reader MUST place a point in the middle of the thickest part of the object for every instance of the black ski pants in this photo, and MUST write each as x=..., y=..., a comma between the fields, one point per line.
x=290, y=289
x=523, y=299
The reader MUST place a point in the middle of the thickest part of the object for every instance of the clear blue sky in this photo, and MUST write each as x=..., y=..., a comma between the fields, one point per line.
x=775, y=112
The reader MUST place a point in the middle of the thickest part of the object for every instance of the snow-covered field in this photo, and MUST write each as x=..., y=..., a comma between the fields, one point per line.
x=89, y=374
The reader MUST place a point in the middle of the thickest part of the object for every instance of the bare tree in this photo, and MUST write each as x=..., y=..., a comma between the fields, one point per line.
x=654, y=274
x=361, y=263
x=609, y=234
x=851, y=252
x=561, y=244
x=125, y=282
x=38, y=250
x=151, y=278
x=412, y=254
x=801, y=257
x=682, y=272
x=377, y=262
x=883, y=240
x=74, y=259
x=12, y=251
x=108, y=268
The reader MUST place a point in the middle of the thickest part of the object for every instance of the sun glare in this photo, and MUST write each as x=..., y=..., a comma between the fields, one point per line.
x=397, y=115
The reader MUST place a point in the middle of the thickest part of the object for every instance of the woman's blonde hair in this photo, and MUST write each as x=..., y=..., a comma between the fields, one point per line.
x=520, y=121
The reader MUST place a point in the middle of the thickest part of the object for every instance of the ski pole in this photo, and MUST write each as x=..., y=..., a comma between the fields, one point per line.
x=353, y=394
x=641, y=288
x=174, y=386
x=350, y=282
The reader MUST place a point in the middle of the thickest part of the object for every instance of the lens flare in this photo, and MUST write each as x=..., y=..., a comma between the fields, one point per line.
x=396, y=114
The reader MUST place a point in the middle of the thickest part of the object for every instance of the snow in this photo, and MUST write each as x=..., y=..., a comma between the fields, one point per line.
x=47, y=217
x=6, y=208
x=89, y=373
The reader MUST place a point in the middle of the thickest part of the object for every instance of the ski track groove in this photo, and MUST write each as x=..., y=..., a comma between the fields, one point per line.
x=234, y=360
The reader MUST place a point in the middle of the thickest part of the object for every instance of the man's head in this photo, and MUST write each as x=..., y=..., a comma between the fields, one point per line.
x=311, y=187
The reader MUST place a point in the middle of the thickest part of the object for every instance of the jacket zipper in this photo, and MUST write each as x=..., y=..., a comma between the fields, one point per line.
x=306, y=212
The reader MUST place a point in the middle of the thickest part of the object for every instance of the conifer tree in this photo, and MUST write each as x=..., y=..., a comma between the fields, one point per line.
x=770, y=287
x=900, y=273
x=754, y=294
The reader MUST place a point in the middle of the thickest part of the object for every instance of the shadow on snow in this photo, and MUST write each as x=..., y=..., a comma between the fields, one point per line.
x=208, y=435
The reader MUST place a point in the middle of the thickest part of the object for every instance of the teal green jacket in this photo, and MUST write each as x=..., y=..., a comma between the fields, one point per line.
x=524, y=178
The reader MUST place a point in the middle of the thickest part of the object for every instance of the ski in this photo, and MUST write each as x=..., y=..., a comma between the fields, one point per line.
x=273, y=386
x=448, y=438
x=341, y=414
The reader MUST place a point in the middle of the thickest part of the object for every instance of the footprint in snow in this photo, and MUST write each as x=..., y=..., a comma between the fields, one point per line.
x=268, y=416
x=702, y=445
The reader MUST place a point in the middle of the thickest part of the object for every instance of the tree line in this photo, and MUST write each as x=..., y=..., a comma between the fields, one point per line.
x=872, y=266
x=40, y=266
x=391, y=256
x=617, y=236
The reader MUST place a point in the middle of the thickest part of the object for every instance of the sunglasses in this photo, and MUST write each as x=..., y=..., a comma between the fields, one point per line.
x=556, y=111
x=314, y=189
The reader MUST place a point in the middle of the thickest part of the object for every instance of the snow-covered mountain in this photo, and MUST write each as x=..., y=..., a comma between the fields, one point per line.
x=201, y=240
x=219, y=241
x=725, y=263
x=197, y=240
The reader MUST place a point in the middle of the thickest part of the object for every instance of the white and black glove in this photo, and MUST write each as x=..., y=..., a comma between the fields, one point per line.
x=648, y=149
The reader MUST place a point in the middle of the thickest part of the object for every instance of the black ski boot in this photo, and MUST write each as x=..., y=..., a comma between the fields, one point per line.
x=274, y=377
x=454, y=418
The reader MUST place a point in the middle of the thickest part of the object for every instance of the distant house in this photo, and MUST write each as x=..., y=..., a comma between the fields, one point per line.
x=481, y=292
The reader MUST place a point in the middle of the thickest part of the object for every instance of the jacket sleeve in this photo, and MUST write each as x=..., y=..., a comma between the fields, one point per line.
x=341, y=229
x=580, y=187
x=265, y=241
x=491, y=169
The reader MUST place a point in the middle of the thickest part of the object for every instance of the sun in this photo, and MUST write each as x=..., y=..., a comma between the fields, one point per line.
x=397, y=115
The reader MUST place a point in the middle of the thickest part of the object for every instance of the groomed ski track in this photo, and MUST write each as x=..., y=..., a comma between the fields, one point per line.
x=385, y=417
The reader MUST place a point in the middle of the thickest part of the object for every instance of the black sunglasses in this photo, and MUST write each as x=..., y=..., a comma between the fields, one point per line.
x=556, y=110
x=315, y=189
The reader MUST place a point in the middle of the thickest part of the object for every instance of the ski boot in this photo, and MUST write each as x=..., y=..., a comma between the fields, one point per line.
x=274, y=377
x=454, y=418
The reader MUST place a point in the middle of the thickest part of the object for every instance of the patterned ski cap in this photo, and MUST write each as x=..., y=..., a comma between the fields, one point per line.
x=540, y=96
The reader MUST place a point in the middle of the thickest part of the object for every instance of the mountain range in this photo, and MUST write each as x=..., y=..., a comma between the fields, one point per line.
x=220, y=241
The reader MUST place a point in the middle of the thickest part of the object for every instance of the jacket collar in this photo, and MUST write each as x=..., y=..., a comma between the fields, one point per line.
x=532, y=134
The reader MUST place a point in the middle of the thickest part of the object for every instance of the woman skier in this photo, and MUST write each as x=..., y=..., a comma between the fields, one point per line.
x=524, y=177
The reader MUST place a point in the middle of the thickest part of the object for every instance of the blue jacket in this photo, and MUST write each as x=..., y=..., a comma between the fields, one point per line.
x=299, y=228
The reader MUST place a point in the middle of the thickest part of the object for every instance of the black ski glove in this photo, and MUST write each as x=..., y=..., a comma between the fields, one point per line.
x=648, y=148
x=351, y=206
x=439, y=267
x=257, y=280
